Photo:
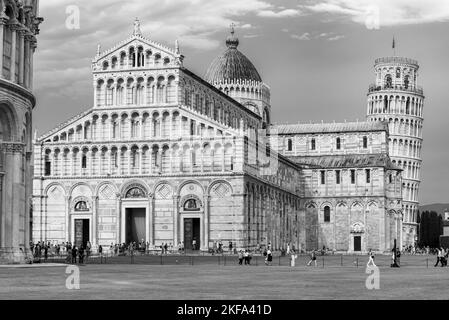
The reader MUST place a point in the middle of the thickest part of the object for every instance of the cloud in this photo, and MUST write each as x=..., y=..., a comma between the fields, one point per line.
x=304, y=36
x=387, y=12
x=249, y=36
x=66, y=54
x=246, y=26
x=284, y=30
x=280, y=14
x=335, y=38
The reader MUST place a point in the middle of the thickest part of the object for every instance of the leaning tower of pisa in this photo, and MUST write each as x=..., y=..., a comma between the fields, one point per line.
x=396, y=97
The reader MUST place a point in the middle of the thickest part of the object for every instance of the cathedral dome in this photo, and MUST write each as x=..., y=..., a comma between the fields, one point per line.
x=231, y=65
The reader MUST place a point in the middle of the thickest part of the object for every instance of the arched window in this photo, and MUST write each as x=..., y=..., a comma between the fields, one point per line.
x=327, y=214
x=289, y=145
x=338, y=143
x=388, y=81
x=313, y=144
x=47, y=164
x=365, y=142
x=323, y=177
x=398, y=72
x=160, y=96
x=406, y=81
x=84, y=162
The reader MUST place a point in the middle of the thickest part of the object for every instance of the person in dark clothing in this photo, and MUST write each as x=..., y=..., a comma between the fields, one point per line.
x=166, y=248
x=100, y=250
x=45, y=252
x=81, y=255
x=246, y=257
x=74, y=253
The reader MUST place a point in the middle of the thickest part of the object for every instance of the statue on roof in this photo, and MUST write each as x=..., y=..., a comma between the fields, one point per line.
x=137, y=31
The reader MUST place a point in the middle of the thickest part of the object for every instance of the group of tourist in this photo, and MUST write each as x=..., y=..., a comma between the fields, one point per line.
x=42, y=249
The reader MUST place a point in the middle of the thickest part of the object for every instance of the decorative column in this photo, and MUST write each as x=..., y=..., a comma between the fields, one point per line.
x=89, y=161
x=140, y=155
x=68, y=199
x=21, y=56
x=3, y=20
x=118, y=215
x=206, y=221
x=170, y=131
x=140, y=119
x=175, y=219
x=94, y=221
x=151, y=219
x=147, y=222
x=33, y=46
x=223, y=157
x=13, y=53
x=129, y=161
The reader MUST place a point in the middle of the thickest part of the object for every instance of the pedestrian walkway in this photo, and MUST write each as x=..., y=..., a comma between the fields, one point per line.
x=34, y=265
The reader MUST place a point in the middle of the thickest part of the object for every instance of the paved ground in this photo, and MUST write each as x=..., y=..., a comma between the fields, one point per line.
x=209, y=281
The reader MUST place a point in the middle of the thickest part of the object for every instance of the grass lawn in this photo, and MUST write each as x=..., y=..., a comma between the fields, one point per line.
x=207, y=281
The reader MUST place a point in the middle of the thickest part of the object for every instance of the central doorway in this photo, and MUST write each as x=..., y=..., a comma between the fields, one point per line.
x=135, y=225
x=81, y=232
x=357, y=243
x=192, y=233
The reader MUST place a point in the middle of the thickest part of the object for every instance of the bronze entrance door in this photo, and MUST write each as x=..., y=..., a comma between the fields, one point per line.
x=192, y=233
x=81, y=232
x=135, y=225
x=357, y=243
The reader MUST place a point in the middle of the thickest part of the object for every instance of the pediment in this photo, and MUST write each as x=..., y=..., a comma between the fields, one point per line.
x=153, y=51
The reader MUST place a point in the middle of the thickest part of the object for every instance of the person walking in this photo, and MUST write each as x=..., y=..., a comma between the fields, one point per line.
x=74, y=253
x=81, y=255
x=88, y=249
x=293, y=257
x=100, y=250
x=230, y=247
x=240, y=257
x=45, y=252
x=446, y=256
x=439, y=257
x=312, y=258
x=269, y=258
x=371, y=258
x=194, y=244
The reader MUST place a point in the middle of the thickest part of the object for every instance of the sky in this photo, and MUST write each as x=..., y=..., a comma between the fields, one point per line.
x=317, y=56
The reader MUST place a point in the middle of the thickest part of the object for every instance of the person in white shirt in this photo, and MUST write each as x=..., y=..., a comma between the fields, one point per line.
x=371, y=259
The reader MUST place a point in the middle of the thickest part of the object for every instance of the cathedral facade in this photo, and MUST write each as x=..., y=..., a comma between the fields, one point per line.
x=19, y=24
x=166, y=156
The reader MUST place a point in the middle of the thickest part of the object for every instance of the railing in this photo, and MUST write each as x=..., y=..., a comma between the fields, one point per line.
x=396, y=60
x=374, y=88
x=228, y=259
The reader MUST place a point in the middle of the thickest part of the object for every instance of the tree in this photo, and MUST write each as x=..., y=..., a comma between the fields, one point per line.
x=430, y=229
